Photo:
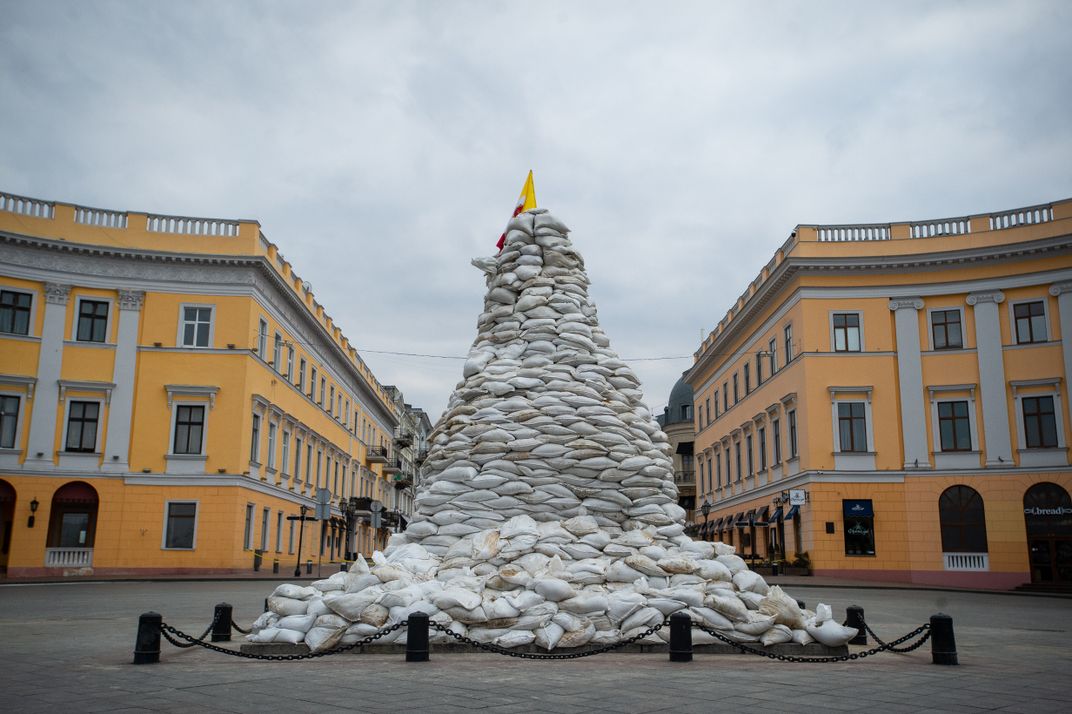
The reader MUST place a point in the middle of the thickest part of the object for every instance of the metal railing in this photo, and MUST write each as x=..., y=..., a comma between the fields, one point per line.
x=68, y=557
x=966, y=561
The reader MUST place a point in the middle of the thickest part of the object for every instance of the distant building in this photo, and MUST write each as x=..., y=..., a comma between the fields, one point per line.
x=892, y=399
x=677, y=421
x=172, y=394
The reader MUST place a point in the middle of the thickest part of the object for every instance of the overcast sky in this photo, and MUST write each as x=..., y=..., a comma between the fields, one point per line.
x=383, y=144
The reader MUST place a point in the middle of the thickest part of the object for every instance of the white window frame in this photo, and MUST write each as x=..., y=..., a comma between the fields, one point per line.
x=273, y=430
x=954, y=393
x=301, y=375
x=197, y=517
x=772, y=355
x=182, y=324
x=853, y=460
x=255, y=446
x=249, y=526
x=23, y=397
x=787, y=342
x=34, y=299
x=174, y=424
x=102, y=420
x=930, y=329
x=262, y=339
x=1040, y=456
x=830, y=324
x=277, y=352
x=1044, y=299
x=108, y=325
x=299, y=442
x=266, y=522
x=196, y=396
x=290, y=363
x=279, y=532
x=284, y=467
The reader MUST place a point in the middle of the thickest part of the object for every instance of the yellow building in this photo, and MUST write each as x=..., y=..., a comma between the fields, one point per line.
x=892, y=400
x=171, y=394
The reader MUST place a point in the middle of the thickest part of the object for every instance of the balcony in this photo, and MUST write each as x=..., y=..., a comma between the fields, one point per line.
x=392, y=466
x=685, y=477
x=68, y=557
x=403, y=480
x=403, y=437
x=420, y=457
x=966, y=561
x=377, y=455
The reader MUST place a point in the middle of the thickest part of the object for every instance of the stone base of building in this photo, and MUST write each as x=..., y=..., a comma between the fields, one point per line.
x=939, y=578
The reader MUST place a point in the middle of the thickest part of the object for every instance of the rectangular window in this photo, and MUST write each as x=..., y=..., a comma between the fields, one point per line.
x=319, y=471
x=290, y=363
x=792, y=416
x=729, y=470
x=283, y=462
x=759, y=369
x=852, y=426
x=331, y=399
x=264, y=528
x=15, y=312
x=301, y=375
x=189, y=429
x=762, y=433
x=718, y=471
x=92, y=321
x=308, y=463
x=179, y=526
x=946, y=330
x=297, y=459
x=279, y=532
x=725, y=397
x=846, y=332
x=271, y=445
x=346, y=414
x=323, y=385
x=737, y=448
x=335, y=480
x=954, y=426
x=1030, y=322
x=312, y=382
x=254, y=445
x=736, y=391
x=772, y=355
x=247, y=540
x=776, y=432
x=9, y=421
x=262, y=340
x=747, y=378
x=196, y=325
x=1040, y=423
x=277, y=353
x=748, y=449
x=82, y=427
x=707, y=409
x=859, y=523
x=788, y=341
x=700, y=417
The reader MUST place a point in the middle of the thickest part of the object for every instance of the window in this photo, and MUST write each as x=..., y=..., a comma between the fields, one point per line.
x=772, y=355
x=308, y=463
x=852, y=426
x=338, y=409
x=736, y=391
x=954, y=426
x=1030, y=322
x=286, y=452
x=686, y=412
x=345, y=412
x=323, y=385
x=776, y=433
x=699, y=421
x=279, y=532
x=264, y=528
x=82, y=427
x=15, y=312
x=277, y=353
x=762, y=433
x=297, y=459
x=859, y=519
x=312, y=382
x=271, y=445
x=290, y=363
x=196, y=326
x=319, y=464
x=788, y=332
x=737, y=449
x=335, y=479
x=725, y=397
x=301, y=375
x=331, y=399
x=180, y=525
x=963, y=520
x=707, y=409
x=946, y=332
x=9, y=421
x=92, y=321
x=247, y=540
x=846, y=331
x=759, y=368
x=716, y=404
x=747, y=378
x=262, y=340
x=254, y=445
x=729, y=471
x=189, y=429
x=792, y=417
x=1040, y=423
x=748, y=449
x=718, y=471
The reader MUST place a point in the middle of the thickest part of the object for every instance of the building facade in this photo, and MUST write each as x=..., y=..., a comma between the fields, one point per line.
x=173, y=399
x=891, y=401
x=678, y=424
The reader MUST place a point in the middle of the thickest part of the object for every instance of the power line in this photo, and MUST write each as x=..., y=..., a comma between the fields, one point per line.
x=419, y=354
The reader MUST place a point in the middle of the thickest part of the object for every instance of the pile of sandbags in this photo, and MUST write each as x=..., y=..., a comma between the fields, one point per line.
x=549, y=513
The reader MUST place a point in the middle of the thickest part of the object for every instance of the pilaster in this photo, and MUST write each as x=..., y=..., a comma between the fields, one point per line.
x=41, y=444
x=117, y=450
x=1063, y=292
x=910, y=378
x=992, y=376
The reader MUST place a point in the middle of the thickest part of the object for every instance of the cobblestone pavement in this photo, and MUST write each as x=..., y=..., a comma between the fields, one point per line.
x=68, y=648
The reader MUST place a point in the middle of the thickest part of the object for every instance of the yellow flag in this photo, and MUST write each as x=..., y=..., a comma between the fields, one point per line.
x=526, y=201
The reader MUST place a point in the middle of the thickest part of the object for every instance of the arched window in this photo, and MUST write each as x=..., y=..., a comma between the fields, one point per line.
x=960, y=510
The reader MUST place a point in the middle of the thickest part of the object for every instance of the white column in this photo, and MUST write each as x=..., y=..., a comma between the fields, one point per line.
x=992, y=376
x=117, y=450
x=41, y=445
x=1063, y=293
x=910, y=377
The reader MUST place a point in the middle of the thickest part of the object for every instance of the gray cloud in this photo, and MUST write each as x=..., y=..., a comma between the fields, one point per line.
x=382, y=145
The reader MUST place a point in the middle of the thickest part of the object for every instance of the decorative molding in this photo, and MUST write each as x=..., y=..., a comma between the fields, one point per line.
x=788, y=399
x=995, y=296
x=904, y=303
x=970, y=388
x=191, y=390
x=850, y=390
x=14, y=380
x=1059, y=288
x=131, y=299
x=57, y=293
x=1018, y=384
x=86, y=386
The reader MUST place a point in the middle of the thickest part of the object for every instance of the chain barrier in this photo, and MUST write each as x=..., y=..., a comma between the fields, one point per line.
x=170, y=634
x=236, y=628
x=489, y=647
x=890, y=647
x=923, y=629
x=194, y=641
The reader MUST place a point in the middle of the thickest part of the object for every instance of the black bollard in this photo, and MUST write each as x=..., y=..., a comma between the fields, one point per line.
x=221, y=623
x=680, y=637
x=943, y=644
x=417, y=638
x=854, y=617
x=342, y=567
x=266, y=604
x=147, y=644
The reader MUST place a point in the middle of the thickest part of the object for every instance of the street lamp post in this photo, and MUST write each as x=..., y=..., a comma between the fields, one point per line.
x=705, y=509
x=303, y=509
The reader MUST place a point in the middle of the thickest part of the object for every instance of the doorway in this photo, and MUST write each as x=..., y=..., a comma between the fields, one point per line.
x=1048, y=518
x=7, y=522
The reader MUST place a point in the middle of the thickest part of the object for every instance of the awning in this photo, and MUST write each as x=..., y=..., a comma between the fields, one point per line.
x=793, y=511
x=751, y=517
x=777, y=515
x=717, y=525
x=739, y=521
x=859, y=508
x=762, y=516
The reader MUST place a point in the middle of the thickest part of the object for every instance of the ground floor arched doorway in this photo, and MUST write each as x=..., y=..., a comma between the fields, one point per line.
x=7, y=522
x=72, y=526
x=1048, y=517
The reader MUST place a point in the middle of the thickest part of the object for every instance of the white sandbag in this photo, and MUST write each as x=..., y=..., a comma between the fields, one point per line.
x=290, y=637
x=665, y=605
x=832, y=634
x=585, y=603
x=548, y=636
x=784, y=608
x=357, y=583
x=729, y=606
x=265, y=619
x=801, y=637
x=644, y=564
x=756, y=624
x=335, y=582
x=321, y=639
x=266, y=634
x=750, y=582
x=822, y=614
x=554, y=589
x=735, y=563
x=711, y=618
x=619, y=572
x=299, y=623
x=577, y=638
x=581, y=525
x=515, y=638
x=751, y=600
x=455, y=597
x=675, y=565
x=519, y=525
x=713, y=570
x=776, y=635
x=422, y=529
x=375, y=615
x=352, y=605
x=644, y=617
x=294, y=592
x=486, y=545
x=702, y=549
x=284, y=606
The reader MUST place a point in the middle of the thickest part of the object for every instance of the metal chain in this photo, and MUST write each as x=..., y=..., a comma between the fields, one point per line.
x=167, y=631
x=489, y=647
x=236, y=628
x=194, y=641
x=891, y=647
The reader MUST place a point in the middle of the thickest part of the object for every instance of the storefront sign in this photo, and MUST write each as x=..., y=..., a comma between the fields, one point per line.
x=1058, y=511
x=797, y=497
x=858, y=509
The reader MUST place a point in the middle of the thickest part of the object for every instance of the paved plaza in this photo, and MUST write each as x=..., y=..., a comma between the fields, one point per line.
x=67, y=648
